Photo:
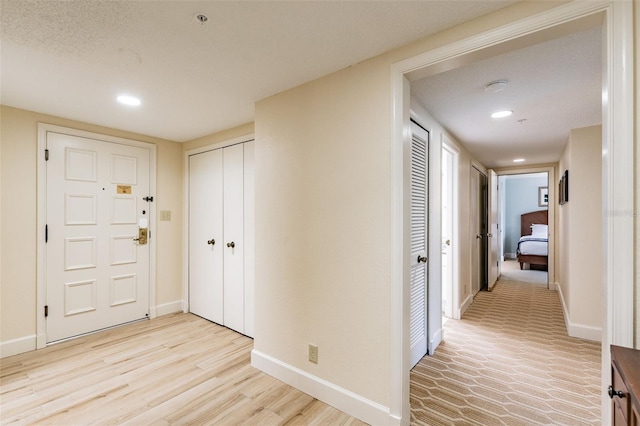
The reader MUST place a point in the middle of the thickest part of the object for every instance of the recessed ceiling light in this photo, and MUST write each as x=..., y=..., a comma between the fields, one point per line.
x=501, y=114
x=128, y=100
x=518, y=160
x=495, y=86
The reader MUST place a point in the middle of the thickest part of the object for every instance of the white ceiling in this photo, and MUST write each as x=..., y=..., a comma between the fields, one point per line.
x=72, y=58
x=554, y=86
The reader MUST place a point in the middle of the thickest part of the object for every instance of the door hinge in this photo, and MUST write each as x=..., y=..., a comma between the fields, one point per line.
x=46, y=155
x=46, y=233
x=46, y=311
x=148, y=199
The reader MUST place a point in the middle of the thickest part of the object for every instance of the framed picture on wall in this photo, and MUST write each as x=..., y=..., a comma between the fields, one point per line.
x=563, y=188
x=543, y=196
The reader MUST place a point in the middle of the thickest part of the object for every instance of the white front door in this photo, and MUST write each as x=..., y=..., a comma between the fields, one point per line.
x=97, y=273
x=418, y=339
x=493, y=234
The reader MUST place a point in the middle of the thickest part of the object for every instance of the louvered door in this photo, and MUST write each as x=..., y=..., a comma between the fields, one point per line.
x=418, y=265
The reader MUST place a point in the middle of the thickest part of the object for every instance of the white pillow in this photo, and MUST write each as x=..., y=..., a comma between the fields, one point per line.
x=539, y=231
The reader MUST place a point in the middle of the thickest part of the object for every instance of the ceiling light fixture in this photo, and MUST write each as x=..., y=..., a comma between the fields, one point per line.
x=518, y=160
x=495, y=86
x=129, y=100
x=501, y=114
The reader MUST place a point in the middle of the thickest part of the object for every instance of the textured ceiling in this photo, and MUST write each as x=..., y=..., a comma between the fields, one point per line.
x=72, y=58
x=553, y=86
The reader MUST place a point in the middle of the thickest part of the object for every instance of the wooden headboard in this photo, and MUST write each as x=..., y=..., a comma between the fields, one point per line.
x=527, y=219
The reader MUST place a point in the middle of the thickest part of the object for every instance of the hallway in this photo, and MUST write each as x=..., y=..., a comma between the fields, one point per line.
x=509, y=361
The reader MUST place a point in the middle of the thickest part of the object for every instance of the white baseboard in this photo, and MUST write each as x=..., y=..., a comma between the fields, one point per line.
x=18, y=346
x=465, y=305
x=510, y=256
x=578, y=330
x=351, y=403
x=435, y=341
x=169, y=308
x=554, y=286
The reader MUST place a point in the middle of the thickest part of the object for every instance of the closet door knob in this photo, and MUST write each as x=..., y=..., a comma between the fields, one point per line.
x=422, y=259
x=211, y=242
x=231, y=244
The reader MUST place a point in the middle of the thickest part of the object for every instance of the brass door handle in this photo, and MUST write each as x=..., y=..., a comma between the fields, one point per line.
x=448, y=242
x=478, y=237
x=489, y=235
x=422, y=259
x=211, y=242
x=231, y=244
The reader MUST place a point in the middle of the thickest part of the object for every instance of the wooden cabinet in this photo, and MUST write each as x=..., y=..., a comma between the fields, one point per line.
x=625, y=386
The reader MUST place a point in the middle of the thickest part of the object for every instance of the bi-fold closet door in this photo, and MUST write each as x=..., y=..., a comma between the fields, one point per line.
x=221, y=236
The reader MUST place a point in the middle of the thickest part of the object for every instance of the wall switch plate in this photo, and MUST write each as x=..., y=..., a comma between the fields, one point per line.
x=165, y=214
x=313, y=353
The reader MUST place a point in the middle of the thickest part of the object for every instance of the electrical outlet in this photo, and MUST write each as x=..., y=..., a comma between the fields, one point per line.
x=313, y=353
x=165, y=214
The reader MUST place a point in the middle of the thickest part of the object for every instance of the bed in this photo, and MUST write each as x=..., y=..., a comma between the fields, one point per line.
x=534, y=244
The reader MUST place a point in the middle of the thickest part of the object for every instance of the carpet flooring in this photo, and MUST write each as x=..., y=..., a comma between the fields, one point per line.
x=509, y=361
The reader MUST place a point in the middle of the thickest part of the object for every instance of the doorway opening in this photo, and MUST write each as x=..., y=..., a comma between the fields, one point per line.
x=616, y=18
x=523, y=200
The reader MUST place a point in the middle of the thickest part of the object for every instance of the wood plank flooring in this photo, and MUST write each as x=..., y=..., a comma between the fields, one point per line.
x=177, y=369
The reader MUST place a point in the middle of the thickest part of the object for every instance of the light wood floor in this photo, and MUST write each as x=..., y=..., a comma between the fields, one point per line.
x=176, y=369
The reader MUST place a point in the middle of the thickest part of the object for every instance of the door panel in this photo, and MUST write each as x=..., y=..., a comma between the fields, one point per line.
x=476, y=237
x=418, y=339
x=234, y=237
x=493, y=234
x=447, y=233
x=206, y=239
x=96, y=275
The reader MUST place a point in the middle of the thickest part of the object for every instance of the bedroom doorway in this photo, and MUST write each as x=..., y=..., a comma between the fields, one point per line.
x=526, y=227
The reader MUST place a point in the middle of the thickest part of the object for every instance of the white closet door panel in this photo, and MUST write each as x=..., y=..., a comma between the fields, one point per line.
x=249, y=242
x=418, y=267
x=234, y=237
x=205, y=227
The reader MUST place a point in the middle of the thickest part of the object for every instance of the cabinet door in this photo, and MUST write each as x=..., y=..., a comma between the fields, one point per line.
x=206, y=239
x=234, y=237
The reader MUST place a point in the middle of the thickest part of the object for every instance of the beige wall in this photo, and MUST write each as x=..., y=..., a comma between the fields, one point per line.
x=322, y=228
x=18, y=141
x=323, y=218
x=580, y=226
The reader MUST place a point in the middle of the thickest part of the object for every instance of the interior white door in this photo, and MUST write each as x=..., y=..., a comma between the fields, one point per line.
x=97, y=274
x=493, y=234
x=447, y=233
x=233, y=258
x=418, y=339
x=476, y=237
x=206, y=238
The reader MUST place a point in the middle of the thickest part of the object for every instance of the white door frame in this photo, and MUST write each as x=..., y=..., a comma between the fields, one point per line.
x=41, y=261
x=618, y=171
x=185, y=210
